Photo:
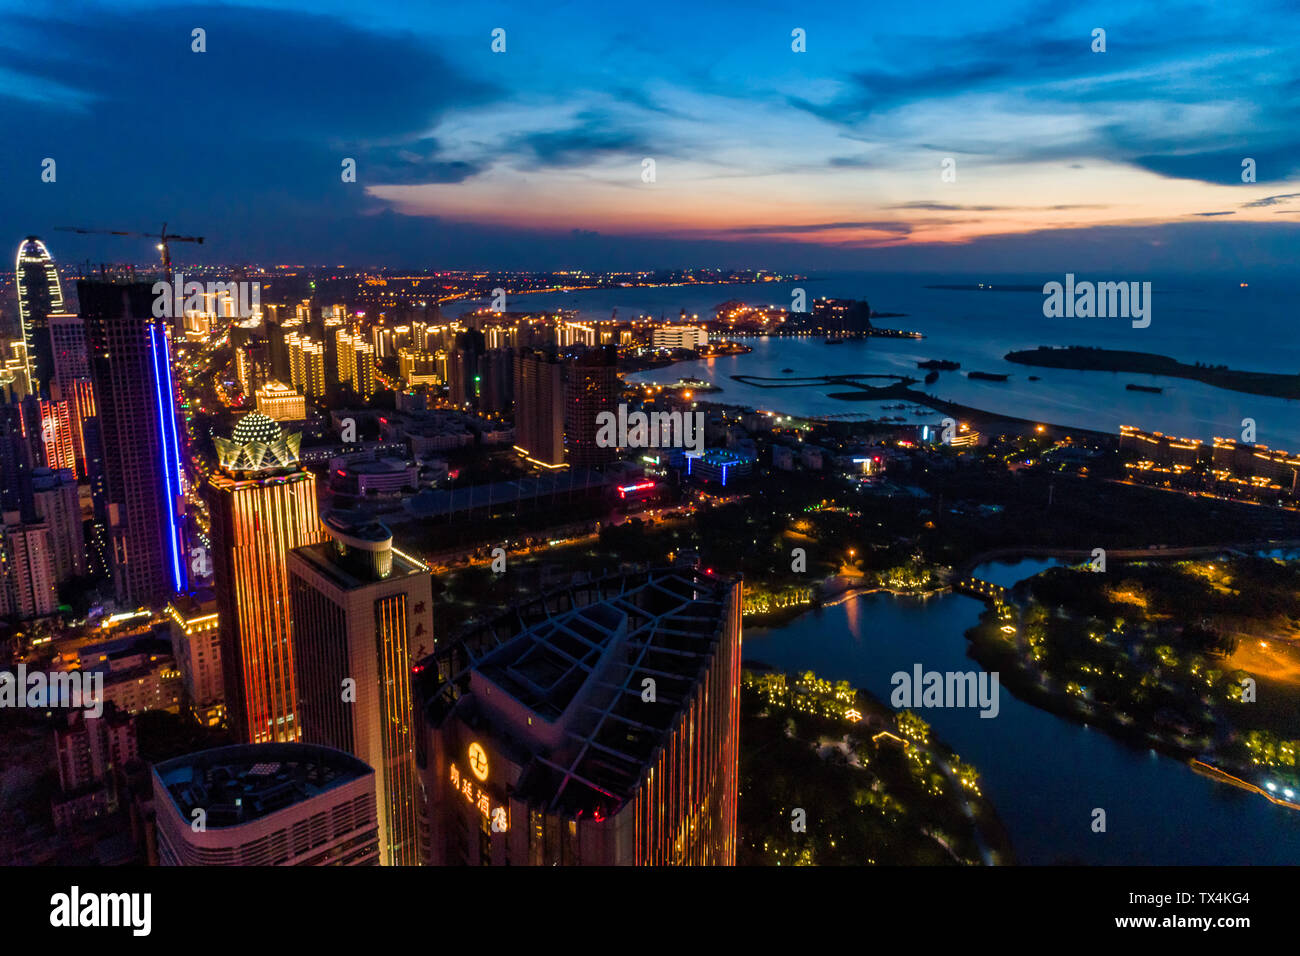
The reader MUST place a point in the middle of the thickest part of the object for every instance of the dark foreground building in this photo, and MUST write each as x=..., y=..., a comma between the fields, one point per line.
x=596, y=725
x=266, y=805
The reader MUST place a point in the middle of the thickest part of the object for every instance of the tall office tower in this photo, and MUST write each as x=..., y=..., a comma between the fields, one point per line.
x=58, y=506
x=130, y=364
x=17, y=461
x=68, y=342
x=27, y=564
x=266, y=805
x=39, y=296
x=71, y=381
x=590, y=387
x=57, y=435
x=359, y=606
x=80, y=396
x=536, y=746
x=262, y=505
x=539, y=408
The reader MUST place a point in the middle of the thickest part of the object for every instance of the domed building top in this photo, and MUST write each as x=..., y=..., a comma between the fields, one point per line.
x=257, y=445
x=257, y=427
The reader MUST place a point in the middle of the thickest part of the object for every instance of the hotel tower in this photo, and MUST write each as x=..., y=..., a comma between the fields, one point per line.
x=262, y=505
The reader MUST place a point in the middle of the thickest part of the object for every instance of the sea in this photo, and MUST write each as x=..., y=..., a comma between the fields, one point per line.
x=1246, y=323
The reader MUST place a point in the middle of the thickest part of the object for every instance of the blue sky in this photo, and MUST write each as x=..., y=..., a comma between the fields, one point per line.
x=827, y=159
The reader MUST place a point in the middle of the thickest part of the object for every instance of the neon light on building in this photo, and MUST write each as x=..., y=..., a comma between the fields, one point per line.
x=171, y=462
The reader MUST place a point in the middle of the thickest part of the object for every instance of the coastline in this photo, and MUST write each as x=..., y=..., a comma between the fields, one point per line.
x=1082, y=358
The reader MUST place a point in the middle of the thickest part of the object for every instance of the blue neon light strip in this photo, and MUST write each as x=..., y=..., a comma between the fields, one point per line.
x=163, y=435
x=176, y=457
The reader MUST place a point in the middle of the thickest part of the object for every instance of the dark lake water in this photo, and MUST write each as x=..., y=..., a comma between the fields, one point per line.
x=1045, y=775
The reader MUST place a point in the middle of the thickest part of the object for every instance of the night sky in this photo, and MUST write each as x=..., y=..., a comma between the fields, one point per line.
x=766, y=158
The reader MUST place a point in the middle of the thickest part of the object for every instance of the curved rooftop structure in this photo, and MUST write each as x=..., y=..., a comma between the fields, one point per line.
x=239, y=784
x=560, y=680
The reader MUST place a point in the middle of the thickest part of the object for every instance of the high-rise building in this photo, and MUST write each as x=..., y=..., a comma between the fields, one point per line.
x=262, y=505
x=58, y=505
x=463, y=378
x=596, y=725
x=363, y=368
x=266, y=805
x=590, y=387
x=143, y=481
x=17, y=460
x=39, y=296
x=539, y=408
x=68, y=341
x=306, y=365
x=196, y=646
x=359, y=608
x=57, y=435
x=28, y=587
x=71, y=381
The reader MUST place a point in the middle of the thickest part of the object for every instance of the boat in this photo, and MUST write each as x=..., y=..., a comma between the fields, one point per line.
x=1144, y=388
x=987, y=376
x=787, y=371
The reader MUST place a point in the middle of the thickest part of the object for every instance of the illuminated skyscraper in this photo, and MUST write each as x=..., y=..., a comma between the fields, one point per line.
x=138, y=440
x=57, y=435
x=359, y=607
x=262, y=505
x=39, y=296
x=595, y=725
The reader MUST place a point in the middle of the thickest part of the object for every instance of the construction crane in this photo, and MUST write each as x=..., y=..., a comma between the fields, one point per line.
x=163, y=238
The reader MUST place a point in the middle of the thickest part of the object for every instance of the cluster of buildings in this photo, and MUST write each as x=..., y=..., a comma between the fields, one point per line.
x=1224, y=466
x=308, y=637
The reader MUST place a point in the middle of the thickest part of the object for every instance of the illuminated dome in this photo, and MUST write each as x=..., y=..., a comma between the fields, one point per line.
x=257, y=445
x=256, y=427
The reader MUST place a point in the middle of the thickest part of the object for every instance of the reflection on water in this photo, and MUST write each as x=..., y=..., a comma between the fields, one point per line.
x=1045, y=775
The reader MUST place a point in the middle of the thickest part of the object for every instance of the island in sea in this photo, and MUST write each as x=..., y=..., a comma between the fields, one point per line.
x=1089, y=359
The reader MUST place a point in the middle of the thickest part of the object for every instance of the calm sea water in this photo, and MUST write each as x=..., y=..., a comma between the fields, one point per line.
x=1045, y=775
x=1193, y=318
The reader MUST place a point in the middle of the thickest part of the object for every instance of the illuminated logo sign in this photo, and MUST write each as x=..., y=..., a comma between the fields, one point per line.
x=478, y=761
x=624, y=490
